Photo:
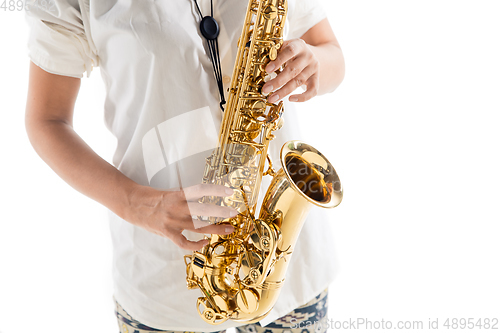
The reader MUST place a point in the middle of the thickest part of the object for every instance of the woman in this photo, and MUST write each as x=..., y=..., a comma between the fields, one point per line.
x=162, y=104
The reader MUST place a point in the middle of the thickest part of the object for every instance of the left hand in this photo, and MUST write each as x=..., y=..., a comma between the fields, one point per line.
x=301, y=68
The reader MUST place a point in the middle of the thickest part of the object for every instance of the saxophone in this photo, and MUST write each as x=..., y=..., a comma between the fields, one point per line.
x=240, y=275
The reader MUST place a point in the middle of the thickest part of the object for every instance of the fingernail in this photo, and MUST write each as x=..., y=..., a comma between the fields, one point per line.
x=293, y=99
x=229, y=191
x=233, y=213
x=267, y=89
x=270, y=68
x=273, y=98
x=229, y=229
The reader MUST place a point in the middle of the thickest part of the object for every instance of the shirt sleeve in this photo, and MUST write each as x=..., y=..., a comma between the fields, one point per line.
x=305, y=15
x=59, y=39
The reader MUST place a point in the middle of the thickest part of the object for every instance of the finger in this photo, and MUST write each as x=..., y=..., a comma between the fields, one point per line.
x=181, y=241
x=211, y=228
x=312, y=90
x=200, y=209
x=185, y=222
x=289, y=50
x=218, y=229
x=293, y=84
x=198, y=224
x=293, y=69
x=197, y=191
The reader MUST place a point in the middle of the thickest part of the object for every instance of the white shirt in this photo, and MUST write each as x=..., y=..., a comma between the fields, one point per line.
x=162, y=104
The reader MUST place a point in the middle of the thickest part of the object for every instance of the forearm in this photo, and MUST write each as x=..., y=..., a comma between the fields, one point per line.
x=331, y=66
x=76, y=163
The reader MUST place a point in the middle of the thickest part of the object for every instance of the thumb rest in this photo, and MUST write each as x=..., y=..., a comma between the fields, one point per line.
x=240, y=275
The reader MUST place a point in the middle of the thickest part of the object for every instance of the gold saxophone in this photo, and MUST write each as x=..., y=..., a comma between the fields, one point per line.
x=240, y=275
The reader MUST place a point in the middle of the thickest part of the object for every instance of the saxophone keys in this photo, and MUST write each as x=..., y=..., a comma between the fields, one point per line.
x=254, y=275
x=247, y=301
x=273, y=53
x=221, y=303
x=265, y=243
x=210, y=315
x=270, y=12
x=280, y=123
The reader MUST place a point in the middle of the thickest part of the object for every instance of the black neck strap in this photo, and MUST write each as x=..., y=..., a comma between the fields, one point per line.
x=210, y=30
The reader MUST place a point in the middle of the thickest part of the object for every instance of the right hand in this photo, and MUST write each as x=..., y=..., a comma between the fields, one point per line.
x=168, y=213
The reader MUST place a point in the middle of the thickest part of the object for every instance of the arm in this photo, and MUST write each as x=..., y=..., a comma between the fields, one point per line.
x=49, y=124
x=314, y=60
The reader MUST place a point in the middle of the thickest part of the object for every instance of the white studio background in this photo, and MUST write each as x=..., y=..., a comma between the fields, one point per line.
x=412, y=132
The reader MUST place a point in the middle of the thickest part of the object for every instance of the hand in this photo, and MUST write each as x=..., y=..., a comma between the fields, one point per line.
x=301, y=68
x=168, y=213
